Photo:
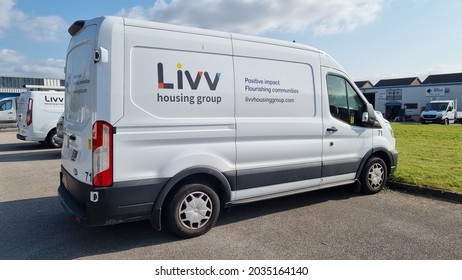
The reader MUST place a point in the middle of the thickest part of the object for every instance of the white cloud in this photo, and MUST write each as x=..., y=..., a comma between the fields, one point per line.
x=260, y=16
x=13, y=63
x=37, y=28
x=10, y=56
x=49, y=68
x=44, y=28
x=7, y=14
x=6, y=7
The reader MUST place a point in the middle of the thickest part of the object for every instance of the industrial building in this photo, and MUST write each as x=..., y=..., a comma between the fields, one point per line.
x=405, y=98
x=13, y=86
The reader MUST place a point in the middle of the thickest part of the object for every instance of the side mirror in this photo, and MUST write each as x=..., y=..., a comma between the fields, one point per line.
x=365, y=117
x=369, y=117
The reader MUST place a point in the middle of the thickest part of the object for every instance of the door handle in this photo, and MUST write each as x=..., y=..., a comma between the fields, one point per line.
x=72, y=137
x=332, y=129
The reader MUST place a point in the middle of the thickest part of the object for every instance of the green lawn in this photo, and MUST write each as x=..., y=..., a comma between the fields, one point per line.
x=429, y=155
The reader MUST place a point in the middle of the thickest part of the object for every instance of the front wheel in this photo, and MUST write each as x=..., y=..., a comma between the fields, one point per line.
x=374, y=176
x=193, y=210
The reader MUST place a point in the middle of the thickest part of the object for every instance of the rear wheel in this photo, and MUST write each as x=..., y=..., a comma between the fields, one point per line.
x=374, y=176
x=193, y=210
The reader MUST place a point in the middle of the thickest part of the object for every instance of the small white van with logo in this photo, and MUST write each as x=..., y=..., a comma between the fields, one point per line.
x=171, y=124
x=38, y=111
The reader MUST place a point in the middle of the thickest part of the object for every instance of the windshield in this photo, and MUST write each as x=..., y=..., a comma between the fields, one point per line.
x=436, y=106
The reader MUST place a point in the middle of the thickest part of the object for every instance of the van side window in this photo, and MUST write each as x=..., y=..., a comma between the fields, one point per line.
x=4, y=106
x=344, y=102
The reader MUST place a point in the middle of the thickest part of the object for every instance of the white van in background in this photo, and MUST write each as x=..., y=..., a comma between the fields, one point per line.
x=38, y=110
x=8, y=112
x=170, y=124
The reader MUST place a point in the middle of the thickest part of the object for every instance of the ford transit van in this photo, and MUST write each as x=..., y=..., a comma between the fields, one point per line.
x=171, y=124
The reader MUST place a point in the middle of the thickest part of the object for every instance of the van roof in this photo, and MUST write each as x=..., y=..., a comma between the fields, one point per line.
x=43, y=88
x=76, y=26
x=326, y=60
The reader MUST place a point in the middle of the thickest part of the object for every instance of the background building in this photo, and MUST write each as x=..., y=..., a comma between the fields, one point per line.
x=402, y=97
x=407, y=97
x=13, y=86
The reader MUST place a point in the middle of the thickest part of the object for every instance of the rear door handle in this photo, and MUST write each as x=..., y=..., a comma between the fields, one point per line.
x=332, y=129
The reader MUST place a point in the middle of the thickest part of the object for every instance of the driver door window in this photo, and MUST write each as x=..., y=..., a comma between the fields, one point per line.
x=6, y=105
x=344, y=102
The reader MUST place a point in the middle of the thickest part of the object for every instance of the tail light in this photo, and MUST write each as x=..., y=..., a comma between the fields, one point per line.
x=102, y=154
x=29, y=112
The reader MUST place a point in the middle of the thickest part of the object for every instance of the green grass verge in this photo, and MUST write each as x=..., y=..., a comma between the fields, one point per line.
x=429, y=155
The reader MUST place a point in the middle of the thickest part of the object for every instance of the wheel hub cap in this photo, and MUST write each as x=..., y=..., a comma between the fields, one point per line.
x=195, y=210
x=376, y=175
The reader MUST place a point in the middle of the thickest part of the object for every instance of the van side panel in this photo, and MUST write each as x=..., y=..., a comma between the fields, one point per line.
x=278, y=127
x=48, y=107
x=178, y=105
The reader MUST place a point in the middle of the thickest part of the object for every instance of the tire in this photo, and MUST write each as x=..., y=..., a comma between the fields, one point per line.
x=373, y=176
x=50, y=141
x=192, y=211
x=446, y=121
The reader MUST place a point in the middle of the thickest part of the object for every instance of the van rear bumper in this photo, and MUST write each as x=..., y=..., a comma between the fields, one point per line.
x=67, y=202
x=120, y=203
x=75, y=199
x=21, y=137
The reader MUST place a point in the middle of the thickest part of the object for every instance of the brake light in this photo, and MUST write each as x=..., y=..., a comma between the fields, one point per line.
x=102, y=154
x=29, y=112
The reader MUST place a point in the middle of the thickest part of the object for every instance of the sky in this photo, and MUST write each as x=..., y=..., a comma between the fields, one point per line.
x=371, y=39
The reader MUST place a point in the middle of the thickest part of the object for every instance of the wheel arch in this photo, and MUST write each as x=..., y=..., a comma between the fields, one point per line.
x=49, y=138
x=204, y=174
x=382, y=153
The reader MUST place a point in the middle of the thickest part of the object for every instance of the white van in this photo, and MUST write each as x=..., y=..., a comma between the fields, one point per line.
x=8, y=112
x=38, y=110
x=170, y=124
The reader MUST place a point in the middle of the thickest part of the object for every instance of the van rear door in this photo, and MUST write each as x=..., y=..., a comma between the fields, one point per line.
x=80, y=104
x=21, y=111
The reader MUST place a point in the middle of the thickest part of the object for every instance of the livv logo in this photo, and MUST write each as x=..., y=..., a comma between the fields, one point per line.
x=193, y=83
x=54, y=99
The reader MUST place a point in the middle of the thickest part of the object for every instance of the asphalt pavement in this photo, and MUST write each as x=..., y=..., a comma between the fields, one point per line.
x=331, y=224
